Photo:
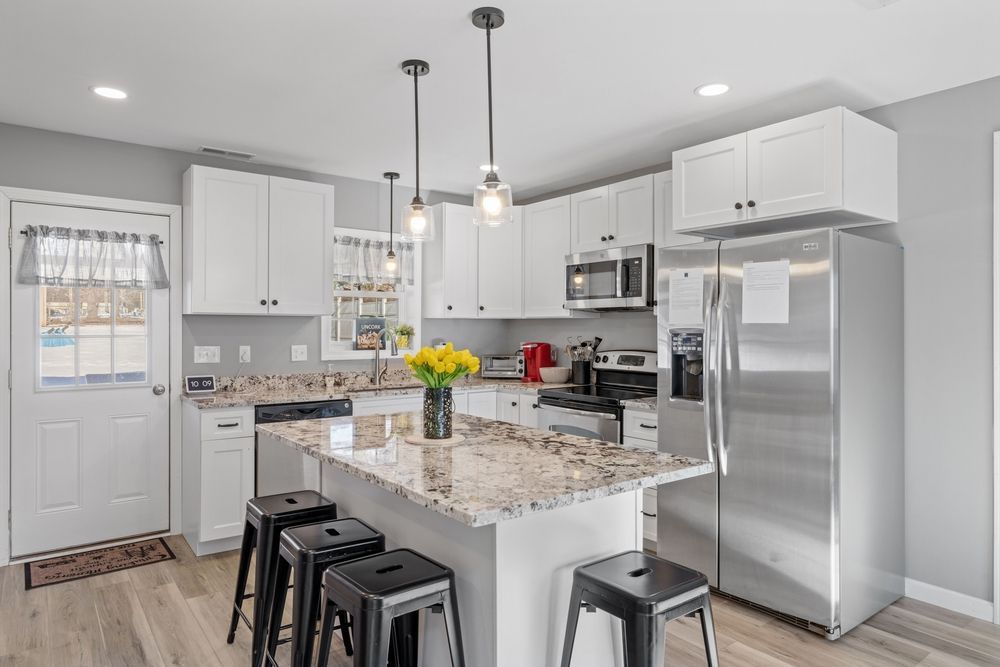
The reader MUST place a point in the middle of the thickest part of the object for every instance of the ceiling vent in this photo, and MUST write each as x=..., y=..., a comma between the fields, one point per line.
x=225, y=152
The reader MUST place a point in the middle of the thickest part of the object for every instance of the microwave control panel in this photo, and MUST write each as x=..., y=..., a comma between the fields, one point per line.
x=632, y=276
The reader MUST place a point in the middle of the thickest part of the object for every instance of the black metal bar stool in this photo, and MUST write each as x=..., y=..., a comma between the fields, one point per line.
x=377, y=589
x=645, y=592
x=267, y=516
x=304, y=553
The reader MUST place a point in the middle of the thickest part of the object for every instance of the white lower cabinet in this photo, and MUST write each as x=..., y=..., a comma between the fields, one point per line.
x=508, y=409
x=639, y=430
x=482, y=404
x=217, y=476
x=527, y=410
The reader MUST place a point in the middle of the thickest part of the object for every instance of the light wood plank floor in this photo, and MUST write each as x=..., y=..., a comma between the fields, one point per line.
x=176, y=613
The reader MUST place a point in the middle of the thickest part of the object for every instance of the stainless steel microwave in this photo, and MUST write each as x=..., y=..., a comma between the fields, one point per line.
x=612, y=279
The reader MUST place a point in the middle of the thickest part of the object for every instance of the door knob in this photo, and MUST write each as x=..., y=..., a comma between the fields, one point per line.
x=738, y=206
x=159, y=389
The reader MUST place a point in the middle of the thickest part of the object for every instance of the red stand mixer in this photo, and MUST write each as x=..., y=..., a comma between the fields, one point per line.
x=536, y=356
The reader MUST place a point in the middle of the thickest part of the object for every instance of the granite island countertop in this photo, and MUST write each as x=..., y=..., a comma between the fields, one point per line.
x=499, y=472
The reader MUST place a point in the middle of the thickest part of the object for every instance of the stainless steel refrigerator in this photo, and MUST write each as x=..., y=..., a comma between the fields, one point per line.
x=781, y=359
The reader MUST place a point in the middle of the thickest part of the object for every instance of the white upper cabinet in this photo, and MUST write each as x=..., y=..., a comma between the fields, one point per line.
x=225, y=242
x=255, y=244
x=828, y=168
x=589, y=218
x=451, y=265
x=500, y=269
x=630, y=208
x=710, y=183
x=300, y=248
x=546, y=244
x=663, y=213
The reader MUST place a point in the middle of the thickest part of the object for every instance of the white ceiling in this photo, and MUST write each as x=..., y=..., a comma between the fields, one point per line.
x=583, y=89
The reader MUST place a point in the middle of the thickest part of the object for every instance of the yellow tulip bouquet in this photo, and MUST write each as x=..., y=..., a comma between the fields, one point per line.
x=439, y=368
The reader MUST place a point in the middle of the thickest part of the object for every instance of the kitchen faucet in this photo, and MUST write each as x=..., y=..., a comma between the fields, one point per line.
x=380, y=369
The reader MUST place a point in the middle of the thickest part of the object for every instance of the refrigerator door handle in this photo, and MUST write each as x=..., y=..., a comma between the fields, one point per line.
x=720, y=432
x=709, y=379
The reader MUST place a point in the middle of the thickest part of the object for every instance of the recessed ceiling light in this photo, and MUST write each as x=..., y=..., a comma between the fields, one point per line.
x=110, y=93
x=488, y=167
x=711, y=89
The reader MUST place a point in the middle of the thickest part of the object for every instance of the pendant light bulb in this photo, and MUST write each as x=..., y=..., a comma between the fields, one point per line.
x=578, y=276
x=492, y=202
x=390, y=265
x=418, y=218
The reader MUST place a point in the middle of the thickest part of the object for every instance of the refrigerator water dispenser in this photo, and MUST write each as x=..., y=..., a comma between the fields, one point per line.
x=686, y=364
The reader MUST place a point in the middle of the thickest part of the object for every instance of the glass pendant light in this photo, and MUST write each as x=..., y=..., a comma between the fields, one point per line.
x=492, y=203
x=418, y=217
x=390, y=265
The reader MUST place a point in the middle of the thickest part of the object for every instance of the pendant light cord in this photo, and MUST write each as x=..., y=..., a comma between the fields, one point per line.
x=416, y=128
x=489, y=86
x=391, y=181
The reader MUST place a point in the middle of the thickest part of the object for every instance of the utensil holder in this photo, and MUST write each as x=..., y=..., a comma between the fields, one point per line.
x=581, y=372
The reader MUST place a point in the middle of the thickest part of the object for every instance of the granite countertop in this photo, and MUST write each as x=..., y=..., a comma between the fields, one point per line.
x=500, y=471
x=640, y=404
x=291, y=393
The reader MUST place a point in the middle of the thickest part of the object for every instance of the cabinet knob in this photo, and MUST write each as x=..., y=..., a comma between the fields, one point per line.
x=274, y=302
x=482, y=307
x=738, y=206
x=611, y=237
x=263, y=302
x=751, y=203
x=513, y=404
x=449, y=307
x=604, y=238
x=534, y=406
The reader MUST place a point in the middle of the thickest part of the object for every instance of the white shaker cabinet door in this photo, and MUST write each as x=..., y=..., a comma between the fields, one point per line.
x=710, y=183
x=589, y=220
x=225, y=242
x=300, y=264
x=483, y=404
x=508, y=409
x=546, y=244
x=796, y=166
x=527, y=410
x=500, y=270
x=227, y=483
x=630, y=209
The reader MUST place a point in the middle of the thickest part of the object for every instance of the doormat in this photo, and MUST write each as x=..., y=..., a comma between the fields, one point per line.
x=92, y=563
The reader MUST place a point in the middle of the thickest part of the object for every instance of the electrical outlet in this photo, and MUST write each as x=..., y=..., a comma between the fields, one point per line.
x=300, y=352
x=244, y=354
x=207, y=354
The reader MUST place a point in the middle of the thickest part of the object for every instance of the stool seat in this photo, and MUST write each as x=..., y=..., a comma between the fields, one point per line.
x=281, y=505
x=641, y=581
x=330, y=541
x=379, y=579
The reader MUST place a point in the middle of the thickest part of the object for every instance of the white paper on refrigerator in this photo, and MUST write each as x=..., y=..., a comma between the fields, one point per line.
x=686, y=296
x=765, y=292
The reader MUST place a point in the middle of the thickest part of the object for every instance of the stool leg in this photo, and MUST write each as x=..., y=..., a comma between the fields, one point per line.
x=282, y=571
x=330, y=614
x=405, y=639
x=304, y=608
x=263, y=593
x=454, y=628
x=645, y=641
x=345, y=631
x=371, y=645
x=708, y=631
x=575, y=600
x=246, y=548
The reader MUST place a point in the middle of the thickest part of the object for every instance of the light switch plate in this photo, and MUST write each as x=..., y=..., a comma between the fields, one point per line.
x=300, y=352
x=207, y=354
x=244, y=354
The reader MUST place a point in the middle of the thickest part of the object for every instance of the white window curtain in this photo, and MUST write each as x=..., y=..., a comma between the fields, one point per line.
x=67, y=257
x=359, y=261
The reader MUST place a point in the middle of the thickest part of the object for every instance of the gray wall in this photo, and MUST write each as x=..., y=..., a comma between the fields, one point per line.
x=636, y=331
x=45, y=160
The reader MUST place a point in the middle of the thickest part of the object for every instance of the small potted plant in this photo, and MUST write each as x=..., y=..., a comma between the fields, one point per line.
x=403, y=333
x=438, y=369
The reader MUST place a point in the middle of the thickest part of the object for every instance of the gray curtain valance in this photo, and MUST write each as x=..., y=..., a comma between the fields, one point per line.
x=66, y=257
x=359, y=261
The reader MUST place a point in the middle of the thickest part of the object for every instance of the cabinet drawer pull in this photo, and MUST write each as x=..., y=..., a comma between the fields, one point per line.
x=651, y=516
x=647, y=425
x=228, y=425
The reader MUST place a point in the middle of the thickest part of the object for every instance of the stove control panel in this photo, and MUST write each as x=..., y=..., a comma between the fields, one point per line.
x=641, y=361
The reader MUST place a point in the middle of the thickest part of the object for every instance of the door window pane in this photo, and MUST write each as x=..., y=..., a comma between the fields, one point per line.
x=130, y=311
x=130, y=359
x=95, y=311
x=94, y=361
x=57, y=361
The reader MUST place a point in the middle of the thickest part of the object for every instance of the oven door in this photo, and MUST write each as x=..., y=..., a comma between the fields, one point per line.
x=576, y=419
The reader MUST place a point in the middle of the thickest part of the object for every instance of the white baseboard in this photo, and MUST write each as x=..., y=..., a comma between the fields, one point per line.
x=951, y=600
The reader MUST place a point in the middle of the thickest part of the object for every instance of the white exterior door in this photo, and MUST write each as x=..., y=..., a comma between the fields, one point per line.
x=589, y=220
x=630, y=207
x=300, y=247
x=90, y=438
x=546, y=244
x=710, y=183
x=796, y=166
x=500, y=269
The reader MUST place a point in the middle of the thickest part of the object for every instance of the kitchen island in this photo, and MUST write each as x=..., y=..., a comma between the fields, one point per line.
x=511, y=509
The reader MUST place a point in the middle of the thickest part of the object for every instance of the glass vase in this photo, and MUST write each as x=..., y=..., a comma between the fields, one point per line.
x=438, y=408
